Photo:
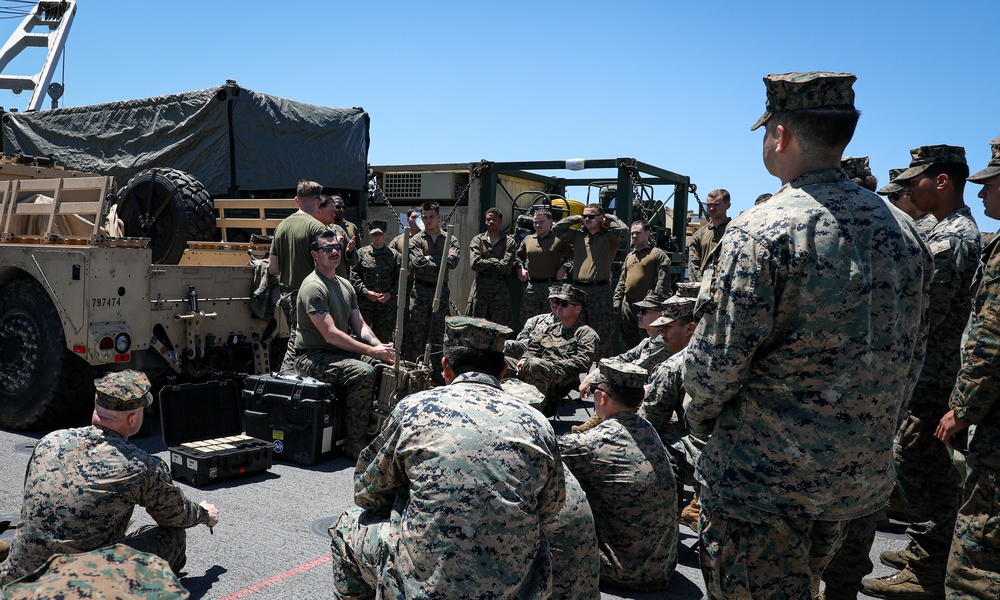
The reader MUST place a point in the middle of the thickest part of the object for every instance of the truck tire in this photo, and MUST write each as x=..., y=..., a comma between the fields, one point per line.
x=41, y=382
x=169, y=207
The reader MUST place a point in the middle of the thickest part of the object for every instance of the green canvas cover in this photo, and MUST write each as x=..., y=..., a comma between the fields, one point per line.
x=223, y=136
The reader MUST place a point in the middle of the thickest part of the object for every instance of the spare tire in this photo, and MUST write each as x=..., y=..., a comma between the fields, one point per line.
x=41, y=382
x=169, y=207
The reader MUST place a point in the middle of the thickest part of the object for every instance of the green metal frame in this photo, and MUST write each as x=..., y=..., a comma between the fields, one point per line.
x=649, y=174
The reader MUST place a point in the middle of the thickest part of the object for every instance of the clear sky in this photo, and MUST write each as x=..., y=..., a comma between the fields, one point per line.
x=674, y=84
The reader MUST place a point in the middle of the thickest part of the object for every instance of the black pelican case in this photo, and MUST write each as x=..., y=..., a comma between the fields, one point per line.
x=301, y=416
x=204, y=435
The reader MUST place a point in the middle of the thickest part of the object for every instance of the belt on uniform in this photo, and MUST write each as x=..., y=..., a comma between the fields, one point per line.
x=542, y=280
x=486, y=275
x=428, y=284
x=590, y=283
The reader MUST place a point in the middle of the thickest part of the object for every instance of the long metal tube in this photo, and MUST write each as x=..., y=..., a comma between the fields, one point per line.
x=401, y=299
x=442, y=273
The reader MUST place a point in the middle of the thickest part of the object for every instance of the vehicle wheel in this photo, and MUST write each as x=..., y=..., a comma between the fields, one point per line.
x=169, y=207
x=40, y=381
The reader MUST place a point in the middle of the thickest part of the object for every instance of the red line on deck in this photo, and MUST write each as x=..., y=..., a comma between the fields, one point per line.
x=278, y=578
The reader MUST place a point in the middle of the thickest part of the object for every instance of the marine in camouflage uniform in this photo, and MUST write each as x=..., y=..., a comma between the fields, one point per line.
x=427, y=254
x=901, y=198
x=553, y=359
x=928, y=483
x=576, y=561
x=493, y=260
x=708, y=236
x=453, y=493
x=81, y=486
x=646, y=269
x=114, y=572
x=624, y=469
x=593, y=254
x=328, y=316
x=533, y=328
x=813, y=324
x=542, y=262
x=974, y=559
x=375, y=279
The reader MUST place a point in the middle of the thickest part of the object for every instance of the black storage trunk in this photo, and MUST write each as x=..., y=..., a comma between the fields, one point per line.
x=300, y=415
x=202, y=431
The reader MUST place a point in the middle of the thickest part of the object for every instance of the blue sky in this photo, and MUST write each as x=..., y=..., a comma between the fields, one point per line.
x=673, y=84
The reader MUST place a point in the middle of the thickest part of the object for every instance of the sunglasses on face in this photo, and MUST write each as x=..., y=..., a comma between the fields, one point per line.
x=593, y=216
x=563, y=303
x=330, y=248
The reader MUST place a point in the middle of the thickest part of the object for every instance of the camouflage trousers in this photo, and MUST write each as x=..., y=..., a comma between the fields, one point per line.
x=974, y=560
x=549, y=377
x=287, y=303
x=853, y=562
x=169, y=543
x=421, y=303
x=683, y=454
x=536, y=300
x=765, y=556
x=600, y=315
x=362, y=559
x=628, y=321
x=490, y=299
x=381, y=317
x=352, y=379
x=576, y=561
x=928, y=484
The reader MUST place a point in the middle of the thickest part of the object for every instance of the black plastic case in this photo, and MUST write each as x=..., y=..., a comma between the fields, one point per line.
x=300, y=415
x=202, y=430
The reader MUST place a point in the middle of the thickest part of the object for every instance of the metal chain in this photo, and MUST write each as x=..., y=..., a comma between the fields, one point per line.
x=702, y=211
x=375, y=194
x=463, y=196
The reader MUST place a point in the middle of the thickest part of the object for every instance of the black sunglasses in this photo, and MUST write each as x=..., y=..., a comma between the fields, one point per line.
x=564, y=303
x=330, y=248
x=586, y=216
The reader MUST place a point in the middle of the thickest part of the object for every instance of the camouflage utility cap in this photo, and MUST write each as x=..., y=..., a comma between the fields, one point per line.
x=995, y=141
x=652, y=300
x=620, y=373
x=123, y=391
x=688, y=289
x=797, y=91
x=892, y=187
x=992, y=168
x=925, y=156
x=674, y=308
x=377, y=226
x=570, y=293
x=856, y=168
x=472, y=332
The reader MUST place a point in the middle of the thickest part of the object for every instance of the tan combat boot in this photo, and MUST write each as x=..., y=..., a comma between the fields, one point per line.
x=895, y=559
x=589, y=424
x=904, y=585
x=4, y=550
x=691, y=513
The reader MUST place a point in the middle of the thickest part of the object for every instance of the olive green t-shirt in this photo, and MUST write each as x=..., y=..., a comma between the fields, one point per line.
x=319, y=294
x=291, y=247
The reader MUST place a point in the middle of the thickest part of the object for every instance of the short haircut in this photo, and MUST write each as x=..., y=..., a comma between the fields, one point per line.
x=956, y=172
x=821, y=129
x=595, y=206
x=643, y=223
x=495, y=211
x=721, y=194
x=412, y=211
x=326, y=234
x=869, y=182
x=337, y=197
x=630, y=397
x=324, y=200
x=762, y=199
x=463, y=359
x=543, y=212
x=308, y=189
x=431, y=205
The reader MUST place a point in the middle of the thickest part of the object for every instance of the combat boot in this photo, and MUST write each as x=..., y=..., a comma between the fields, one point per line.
x=691, y=513
x=4, y=550
x=589, y=424
x=894, y=558
x=904, y=584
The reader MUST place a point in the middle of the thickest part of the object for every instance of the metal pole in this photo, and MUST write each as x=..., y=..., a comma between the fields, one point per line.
x=442, y=273
x=401, y=302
